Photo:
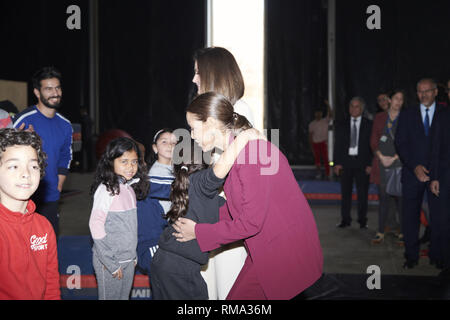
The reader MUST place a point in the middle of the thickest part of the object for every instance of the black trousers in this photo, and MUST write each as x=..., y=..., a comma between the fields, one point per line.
x=361, y=179
x=413, y=192
x=389, y=208
x=171, y=278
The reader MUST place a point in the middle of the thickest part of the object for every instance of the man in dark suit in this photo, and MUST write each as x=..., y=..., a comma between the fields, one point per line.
x=440, y=184
x=352, y=159
x=413, y=144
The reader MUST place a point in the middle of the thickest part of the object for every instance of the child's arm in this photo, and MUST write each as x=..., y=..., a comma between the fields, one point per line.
x=209, y=181
x=229, y=156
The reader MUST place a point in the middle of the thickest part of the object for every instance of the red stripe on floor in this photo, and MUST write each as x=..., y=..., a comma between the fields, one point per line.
x=89, y=281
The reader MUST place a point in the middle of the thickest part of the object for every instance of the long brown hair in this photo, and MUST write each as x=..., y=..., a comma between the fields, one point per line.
x=105, y=169
x=215, y=105
x=219, y=72
x=179, y=195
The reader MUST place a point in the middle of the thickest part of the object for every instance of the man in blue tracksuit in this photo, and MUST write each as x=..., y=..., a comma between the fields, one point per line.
x=56, y=134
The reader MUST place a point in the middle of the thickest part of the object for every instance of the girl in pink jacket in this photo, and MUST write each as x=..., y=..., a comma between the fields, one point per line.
x=121, y=177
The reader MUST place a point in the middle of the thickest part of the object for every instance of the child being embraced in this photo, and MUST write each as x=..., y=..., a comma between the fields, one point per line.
x=28, y=252
x=120, y=179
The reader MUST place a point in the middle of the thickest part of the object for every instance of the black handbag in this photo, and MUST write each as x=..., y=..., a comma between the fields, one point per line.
x=393, y=181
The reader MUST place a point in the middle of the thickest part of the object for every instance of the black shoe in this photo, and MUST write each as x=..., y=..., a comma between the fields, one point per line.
x=363, y=226
x=409, y=264
x=343, y=225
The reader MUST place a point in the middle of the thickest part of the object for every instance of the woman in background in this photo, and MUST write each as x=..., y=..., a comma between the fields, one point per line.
x=216, y=70
x=382, y=144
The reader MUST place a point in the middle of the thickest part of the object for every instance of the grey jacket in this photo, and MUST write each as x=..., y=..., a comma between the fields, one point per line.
x=113, y=225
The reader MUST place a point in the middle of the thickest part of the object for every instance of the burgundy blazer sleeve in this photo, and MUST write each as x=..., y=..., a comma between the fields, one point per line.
x=377, y=130
x=252, y=212
x=224, y=214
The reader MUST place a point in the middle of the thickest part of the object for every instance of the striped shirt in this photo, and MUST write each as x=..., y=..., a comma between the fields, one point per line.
x=161, y=177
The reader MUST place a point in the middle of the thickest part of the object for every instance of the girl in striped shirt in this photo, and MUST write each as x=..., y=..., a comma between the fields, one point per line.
x=152, y=209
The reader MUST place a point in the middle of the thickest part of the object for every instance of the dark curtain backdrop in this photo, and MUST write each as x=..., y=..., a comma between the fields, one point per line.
x=146, y=65
x=413, y=43
x=145, y=58
x=33, y=34
x=296, y=72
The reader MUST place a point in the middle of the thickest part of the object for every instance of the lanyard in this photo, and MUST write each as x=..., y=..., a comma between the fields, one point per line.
x=390, y=124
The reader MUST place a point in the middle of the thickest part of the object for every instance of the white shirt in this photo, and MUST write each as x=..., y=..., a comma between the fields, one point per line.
x=243, y=109
x=354, y=151
x=319, y=130
x=431, y=110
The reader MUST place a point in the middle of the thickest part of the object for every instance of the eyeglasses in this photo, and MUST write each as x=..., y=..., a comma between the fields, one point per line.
x=426, y=91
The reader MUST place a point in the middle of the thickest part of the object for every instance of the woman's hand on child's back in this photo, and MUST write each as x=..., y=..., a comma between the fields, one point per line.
x=185, y=230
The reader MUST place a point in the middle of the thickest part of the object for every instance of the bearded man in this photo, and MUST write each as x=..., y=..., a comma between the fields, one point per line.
x=56, y=134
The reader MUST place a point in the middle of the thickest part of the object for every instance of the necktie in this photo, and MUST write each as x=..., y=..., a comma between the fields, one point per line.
x=426, y=123
x=353, y=135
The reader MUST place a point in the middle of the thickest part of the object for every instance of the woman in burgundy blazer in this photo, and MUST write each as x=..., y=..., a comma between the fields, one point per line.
x=380, y=132
x=266, y=209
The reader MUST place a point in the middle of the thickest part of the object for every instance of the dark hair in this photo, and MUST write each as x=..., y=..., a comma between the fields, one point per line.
x=152, y=156
x=219, y=72
x=105, y=169
x=13, y=137
x=215, y=105
x=44, y=74
x=179, y=195
x=398, y=90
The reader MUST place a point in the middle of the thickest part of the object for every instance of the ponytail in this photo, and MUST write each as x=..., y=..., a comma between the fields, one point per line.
x=238, y=124
x=179, y=195
x=212, y=104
